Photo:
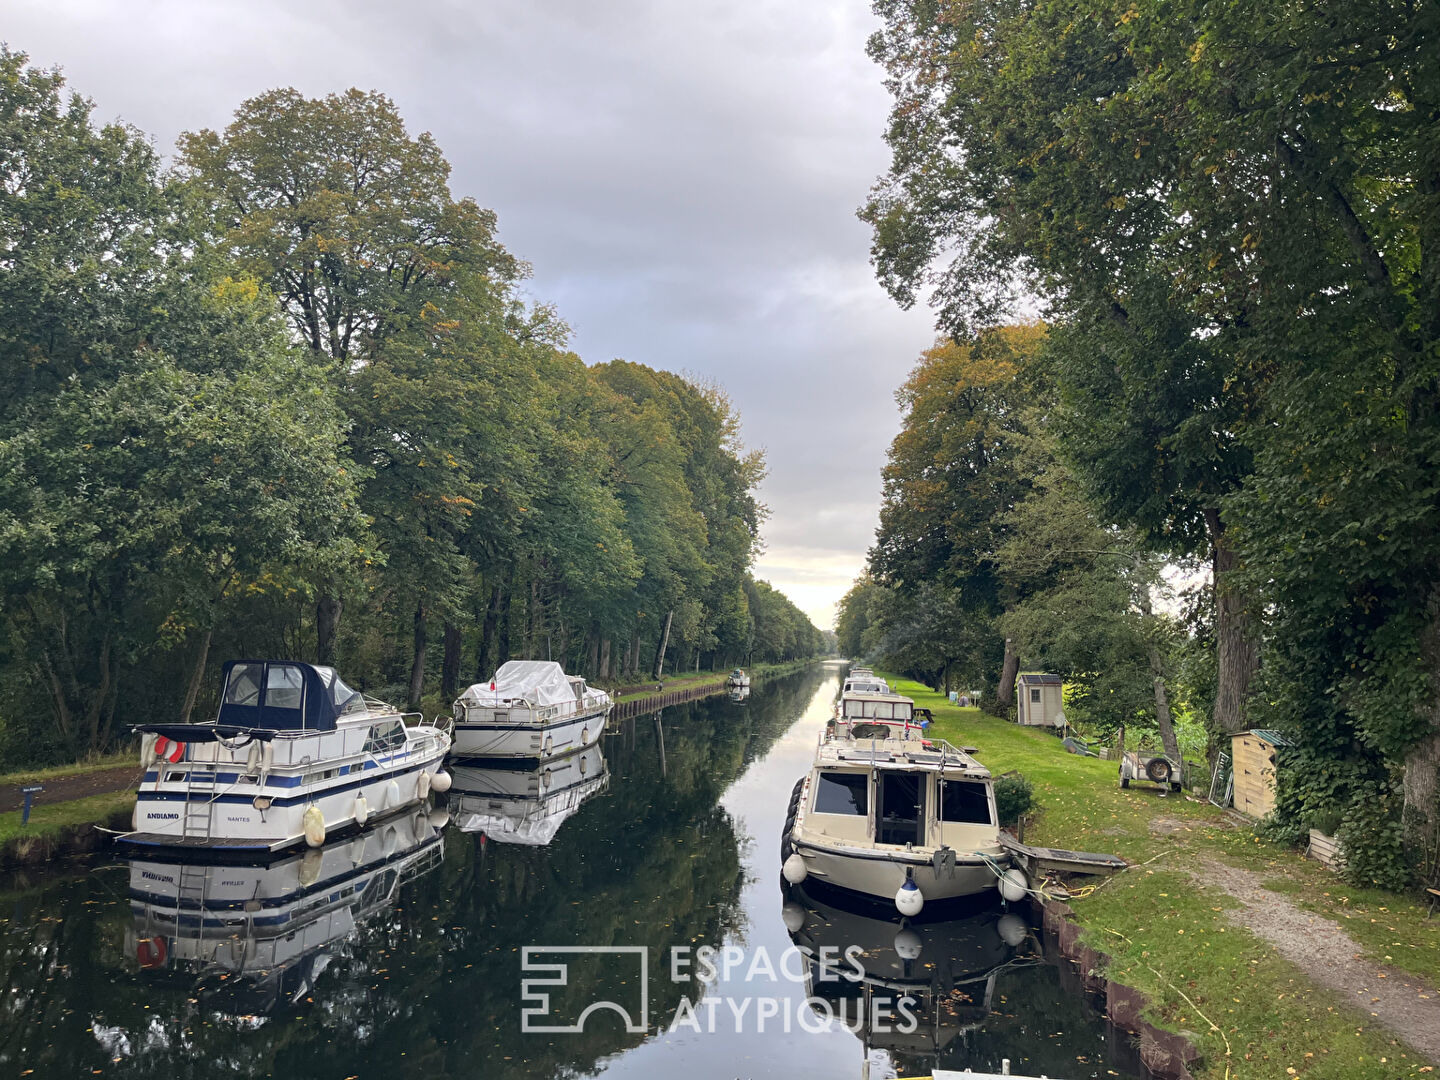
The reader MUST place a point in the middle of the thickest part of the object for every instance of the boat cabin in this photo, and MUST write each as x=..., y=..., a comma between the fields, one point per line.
x=865, y=715
x=865, y=683
x=284, y=695
x=901, y=793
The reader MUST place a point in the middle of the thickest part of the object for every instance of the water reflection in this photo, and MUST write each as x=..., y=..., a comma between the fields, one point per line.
x=966, y=988
x=738, y=694
x=251, y=938
x=524, y=805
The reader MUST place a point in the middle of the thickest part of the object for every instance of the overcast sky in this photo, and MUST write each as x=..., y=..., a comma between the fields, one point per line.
x=682, y=175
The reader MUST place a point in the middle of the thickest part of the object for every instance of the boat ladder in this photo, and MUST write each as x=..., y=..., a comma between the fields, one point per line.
x=199, y=814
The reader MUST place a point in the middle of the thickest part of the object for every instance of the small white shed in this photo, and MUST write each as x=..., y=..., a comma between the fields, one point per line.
x=1038, y=703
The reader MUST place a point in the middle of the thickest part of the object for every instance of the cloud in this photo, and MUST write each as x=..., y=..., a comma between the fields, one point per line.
x=683, y=177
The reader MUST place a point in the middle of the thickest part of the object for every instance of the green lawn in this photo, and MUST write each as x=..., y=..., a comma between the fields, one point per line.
x=1169, y=937
x=49, y=819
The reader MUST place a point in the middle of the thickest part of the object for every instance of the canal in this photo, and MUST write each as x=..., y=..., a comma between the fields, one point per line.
x=466, y=947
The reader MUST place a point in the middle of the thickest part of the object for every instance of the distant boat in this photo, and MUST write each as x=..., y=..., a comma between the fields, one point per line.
x=737, y=678
x=293, y=756
x=531, y=710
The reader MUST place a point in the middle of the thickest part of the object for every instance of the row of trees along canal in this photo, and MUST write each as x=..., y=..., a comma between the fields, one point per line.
x=291, y=379
x=1229, y=219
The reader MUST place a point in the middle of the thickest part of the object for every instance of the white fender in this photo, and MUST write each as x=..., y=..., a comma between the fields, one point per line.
x=422, y=785
x=909, y=899
x=795, y=870
x=1013, y=884
x=392, y=795
x=254, y=760
x=440, y=782
x=361, y=810
x=314, y=821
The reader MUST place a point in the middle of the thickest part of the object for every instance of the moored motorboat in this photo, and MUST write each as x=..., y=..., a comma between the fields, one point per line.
x=865, y=712
x=737, y=678
x=293, y=755
x=525, y=806
x=530, y=710
x=904, y=819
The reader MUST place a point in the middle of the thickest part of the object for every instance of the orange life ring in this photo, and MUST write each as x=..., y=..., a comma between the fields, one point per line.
x=151, y=952
x=169, y=750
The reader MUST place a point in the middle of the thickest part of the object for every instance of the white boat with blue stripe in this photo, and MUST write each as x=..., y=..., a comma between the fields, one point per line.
x=294, y=755
x=531, y=710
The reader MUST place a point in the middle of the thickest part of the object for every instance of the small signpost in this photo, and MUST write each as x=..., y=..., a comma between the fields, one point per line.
x=29, y=792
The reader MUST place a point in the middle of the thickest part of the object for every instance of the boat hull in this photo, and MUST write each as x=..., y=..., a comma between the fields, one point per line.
x=527, y=741
x=237, y=825
x=878, y=874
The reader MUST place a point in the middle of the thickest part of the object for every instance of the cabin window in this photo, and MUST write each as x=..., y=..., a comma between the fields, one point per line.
x=244, y=685
x=284, y=686
x=385, y=737
x=842, y=793
x=1034, y=695
x=965, y=803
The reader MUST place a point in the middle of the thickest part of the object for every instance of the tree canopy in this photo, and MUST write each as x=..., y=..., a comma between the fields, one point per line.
x=286, y=399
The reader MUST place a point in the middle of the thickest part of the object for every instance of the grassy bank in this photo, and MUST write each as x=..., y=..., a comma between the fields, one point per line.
x=1253, y=1013
x=52, y=821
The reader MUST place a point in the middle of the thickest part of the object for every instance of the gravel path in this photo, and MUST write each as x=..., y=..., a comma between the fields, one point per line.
x=79, y=786
x=1399, y=1000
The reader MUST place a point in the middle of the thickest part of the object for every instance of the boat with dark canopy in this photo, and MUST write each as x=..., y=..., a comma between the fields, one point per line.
x=293, y=754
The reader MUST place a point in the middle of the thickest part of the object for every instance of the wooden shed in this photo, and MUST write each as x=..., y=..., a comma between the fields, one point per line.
x=1038, y=703
x=1252, y=756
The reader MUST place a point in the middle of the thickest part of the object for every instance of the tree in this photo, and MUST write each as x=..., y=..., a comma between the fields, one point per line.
x=350, y=221
x=951, y=478
x=1028, y=142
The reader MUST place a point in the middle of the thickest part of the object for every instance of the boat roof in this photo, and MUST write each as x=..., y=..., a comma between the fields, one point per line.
x=283, y=695
x=914, y=755
x=869, y=696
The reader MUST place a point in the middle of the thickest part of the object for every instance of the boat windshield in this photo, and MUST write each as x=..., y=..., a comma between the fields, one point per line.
x=346, y=701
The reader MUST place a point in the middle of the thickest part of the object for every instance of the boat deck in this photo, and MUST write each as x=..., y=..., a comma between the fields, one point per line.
x=201, y=843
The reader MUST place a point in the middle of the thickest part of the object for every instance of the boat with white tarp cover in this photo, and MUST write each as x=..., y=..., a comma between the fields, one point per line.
x=293, y=755
x=530, y=710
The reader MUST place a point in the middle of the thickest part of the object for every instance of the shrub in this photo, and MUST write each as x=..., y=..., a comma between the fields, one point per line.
x=1014, y=798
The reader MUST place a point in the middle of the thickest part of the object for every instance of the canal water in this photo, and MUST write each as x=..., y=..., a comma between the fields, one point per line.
x=554, y=926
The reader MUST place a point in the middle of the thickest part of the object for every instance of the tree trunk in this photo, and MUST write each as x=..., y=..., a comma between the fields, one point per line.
x=1421, y=816
x=327, y=624
x=632, y=654
x=417, y=667
x=450, y=664
x=196, y=678
x=1162, y=706
x=664, y=643
x=1005, y=693
x=532, y=612
x=487, y=635
x=605, y=658
x=592, y=656
x=1235, y=650
x=1163, y=719
x=502, y=644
